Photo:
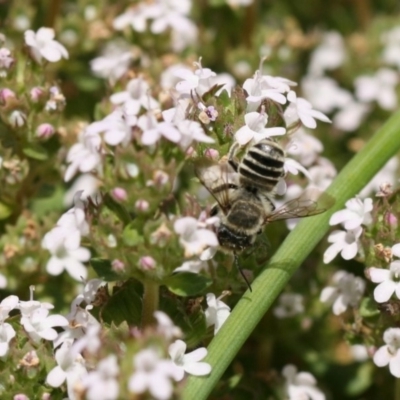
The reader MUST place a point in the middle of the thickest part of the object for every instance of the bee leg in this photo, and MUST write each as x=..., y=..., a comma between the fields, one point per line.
x=241, y=271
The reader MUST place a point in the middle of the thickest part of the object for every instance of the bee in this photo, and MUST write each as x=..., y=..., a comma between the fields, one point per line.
x=243, y=191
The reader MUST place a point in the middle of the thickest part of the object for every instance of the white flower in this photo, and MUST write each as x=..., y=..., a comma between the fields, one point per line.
x=7, y=305
x=217, y=311
x=80, y=323
x=324, y=93
x=74, y=218
x=344, y=242
x=136, y=16
x=192, y=238
x=70, y=367
x=346, y=291
x=356, y=213
x=198, y=81
x=153, y=374
x=301, y=386
x=351, y=115
x=254, y=128
x=136, y=95
x=389, y=353
x=194, y=266
x=262, y=87
x=380, y=87
x=5, y=58
x=290, y=304
x=391, y=52
x=102, y=384
x=7, y=333
x=322, y=173
x=166, y=327
x=154, y=130
x=300, y=108
x=388, y=279
x=189, y=362
x=39, y=325
x=87, y=184
x=66, y=253
x=304, y=147
x=85, y=155
x=330, y=54
x=114, y=61
x=43, y=45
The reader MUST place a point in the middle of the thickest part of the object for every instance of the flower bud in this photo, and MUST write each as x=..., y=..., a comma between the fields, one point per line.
x=142, y=205
x=119, y=194
x=211, y=153
x=17, y=119
x=117, y=265
x=6, y=95
x=147, y=263
x=45, y=131
x=36, y=94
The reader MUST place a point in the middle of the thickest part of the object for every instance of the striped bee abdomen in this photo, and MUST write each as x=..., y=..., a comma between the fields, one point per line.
x=262, y=166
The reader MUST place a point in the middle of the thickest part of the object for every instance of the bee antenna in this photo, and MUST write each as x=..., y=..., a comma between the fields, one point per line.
x=241, y=272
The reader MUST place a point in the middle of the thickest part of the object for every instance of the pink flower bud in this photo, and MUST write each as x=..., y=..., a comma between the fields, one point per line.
x=6, y=95
x=211, y=153
x=119, y=194
x=36, y=93
x=17, y=119
x=45, y=131
x=147, y=263
x=117, y=265
x=142, y=205
x=20, y=396
x=391, y=219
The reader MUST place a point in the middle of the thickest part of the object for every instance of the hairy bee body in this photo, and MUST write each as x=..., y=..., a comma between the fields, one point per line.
x=261, y=167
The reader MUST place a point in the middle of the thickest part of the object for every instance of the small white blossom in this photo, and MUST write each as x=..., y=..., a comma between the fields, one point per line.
x=300, y=385
x=346, y=291
x=380, y=87
x=39, y=325
x=192, y=238
x=356, y=213
x=305, y=147
x=300, y=108
x=66, y=253
x=391, y=52
x=217, y=311
x=8, y=304
x=153, y=374
x=87, y=184
x=7, y=333
x=344, y=242
x=102, y=384
x=190, y=362
x=114, y=61
x=154, y=130
x=42, y=45
x=194, y=266
x=350, y=116
x=254, y=128
x=289, y=305
x=329, y=55
x=136, y=96
x=70, y=367
x=388, y=279
x=325, y=93
x=85, y=155
x=166, y=327
x=390, y=352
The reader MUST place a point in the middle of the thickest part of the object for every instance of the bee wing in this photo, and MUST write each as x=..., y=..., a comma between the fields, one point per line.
x=311, y=202
x=220, y=179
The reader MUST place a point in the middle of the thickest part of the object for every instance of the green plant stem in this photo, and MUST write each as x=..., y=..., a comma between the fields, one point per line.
x=151, y=297
x=298, y=244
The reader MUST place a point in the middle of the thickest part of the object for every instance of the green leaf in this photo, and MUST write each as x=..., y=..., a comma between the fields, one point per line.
x=118, y=209
x=5, y=211
x=293, y=251
x=125, y=304
x=104, y=269
x=187, y=283
x=131, y=236
x=36, y=152
x=368, y=308
x=361, y=381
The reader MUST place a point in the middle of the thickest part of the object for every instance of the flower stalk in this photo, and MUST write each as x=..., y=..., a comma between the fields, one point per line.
x=151, y=298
